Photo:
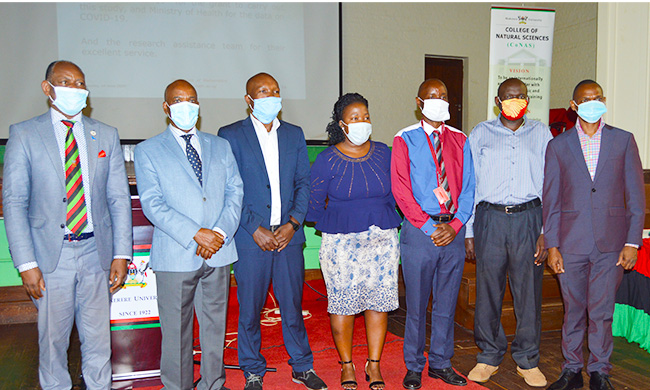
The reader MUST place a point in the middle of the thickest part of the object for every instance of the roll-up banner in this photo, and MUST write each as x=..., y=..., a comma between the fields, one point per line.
x=521, y=46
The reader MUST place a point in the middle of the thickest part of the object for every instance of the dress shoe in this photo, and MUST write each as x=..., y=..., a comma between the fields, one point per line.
x=482, y=372
x=532, y=376
x=569, y=380
x=448, y=375
x=599, y=381
x=309, y=379
x=412, y=380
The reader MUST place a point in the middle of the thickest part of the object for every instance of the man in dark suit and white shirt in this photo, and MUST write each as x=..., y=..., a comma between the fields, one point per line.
x=67, y=211
x=594, y=206
x=273, y=161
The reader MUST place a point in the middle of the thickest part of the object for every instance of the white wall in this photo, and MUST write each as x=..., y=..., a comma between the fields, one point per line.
x=384, y=45
x=623, y=68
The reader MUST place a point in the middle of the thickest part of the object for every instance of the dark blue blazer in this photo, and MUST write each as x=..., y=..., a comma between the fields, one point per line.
x=294, y=178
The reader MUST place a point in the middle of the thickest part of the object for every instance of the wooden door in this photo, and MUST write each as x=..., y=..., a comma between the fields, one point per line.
x=451, y=71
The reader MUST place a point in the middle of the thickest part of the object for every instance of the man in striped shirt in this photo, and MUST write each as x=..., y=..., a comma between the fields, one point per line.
x=508, y=154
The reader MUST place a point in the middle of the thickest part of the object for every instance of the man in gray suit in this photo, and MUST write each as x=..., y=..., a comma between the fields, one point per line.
x=594, y=206
x=191, y=191
x=67, y=211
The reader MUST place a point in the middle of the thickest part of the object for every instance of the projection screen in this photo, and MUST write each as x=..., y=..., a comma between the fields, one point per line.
x=130, y=52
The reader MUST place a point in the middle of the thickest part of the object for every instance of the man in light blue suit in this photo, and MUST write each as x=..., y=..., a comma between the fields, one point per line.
x=191, y=191
x=67, y=212
x=273, y=161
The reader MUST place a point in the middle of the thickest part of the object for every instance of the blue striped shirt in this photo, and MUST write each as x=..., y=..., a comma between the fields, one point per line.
x=509, y=165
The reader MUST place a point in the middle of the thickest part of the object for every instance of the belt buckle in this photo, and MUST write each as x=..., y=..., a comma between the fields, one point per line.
x=507, y=209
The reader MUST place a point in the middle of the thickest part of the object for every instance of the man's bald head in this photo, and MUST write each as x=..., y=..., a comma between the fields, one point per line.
x=254, y=82
x=511, y=82
x=176, y=87
x=429, y=84
x=50, y=68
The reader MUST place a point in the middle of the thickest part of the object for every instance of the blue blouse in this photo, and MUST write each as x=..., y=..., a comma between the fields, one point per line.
x=357, y=191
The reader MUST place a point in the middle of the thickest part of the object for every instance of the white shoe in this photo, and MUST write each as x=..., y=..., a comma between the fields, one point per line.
x=482, y=372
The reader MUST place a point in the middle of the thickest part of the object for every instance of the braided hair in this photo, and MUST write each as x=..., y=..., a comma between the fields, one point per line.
x=334, y=131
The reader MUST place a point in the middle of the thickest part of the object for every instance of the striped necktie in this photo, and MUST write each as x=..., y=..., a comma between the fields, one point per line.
x=76, y=214
x=193, y=157
x=437, y=146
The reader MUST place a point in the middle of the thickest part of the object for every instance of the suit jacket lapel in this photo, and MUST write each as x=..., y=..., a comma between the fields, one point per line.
x=206, y=154
x=576, y=150
x=173, y=146
x=253, y=142
x=606, y=142
x=46, y=132
x=92, y=147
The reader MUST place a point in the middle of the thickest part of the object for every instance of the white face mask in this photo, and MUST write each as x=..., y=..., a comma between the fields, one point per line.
x=436, y=110
x=358, y=132
x=184, y=115
x=69, y=101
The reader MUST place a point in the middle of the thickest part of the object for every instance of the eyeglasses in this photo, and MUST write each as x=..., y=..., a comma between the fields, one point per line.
x=522, y=96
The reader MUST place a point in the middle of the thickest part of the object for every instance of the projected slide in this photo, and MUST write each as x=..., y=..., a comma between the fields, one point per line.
x=136, y=45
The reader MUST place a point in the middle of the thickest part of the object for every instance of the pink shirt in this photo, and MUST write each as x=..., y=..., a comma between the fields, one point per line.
x=590, y=147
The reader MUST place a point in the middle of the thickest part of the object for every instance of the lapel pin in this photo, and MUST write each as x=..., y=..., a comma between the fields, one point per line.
x=93, y=133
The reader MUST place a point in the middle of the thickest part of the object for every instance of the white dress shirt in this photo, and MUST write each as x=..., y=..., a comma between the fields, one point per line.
x=269, y=143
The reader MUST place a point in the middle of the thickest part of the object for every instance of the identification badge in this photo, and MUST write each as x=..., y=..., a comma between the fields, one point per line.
x=441, y=194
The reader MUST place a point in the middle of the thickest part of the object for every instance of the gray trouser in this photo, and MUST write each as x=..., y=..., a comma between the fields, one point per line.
x=589, y=286
x=179, y=294
x=76, y=291
x=505, y=245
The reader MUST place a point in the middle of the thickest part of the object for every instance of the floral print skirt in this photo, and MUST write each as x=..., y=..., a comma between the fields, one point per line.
x=360, y=270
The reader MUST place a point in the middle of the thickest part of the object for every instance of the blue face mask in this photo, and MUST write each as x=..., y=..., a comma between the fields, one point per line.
x=184, y=115
x=591, y=111
x=266, y=109
x=69, y=101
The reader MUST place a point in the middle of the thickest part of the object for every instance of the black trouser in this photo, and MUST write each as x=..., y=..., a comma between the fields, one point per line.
x=505, y=245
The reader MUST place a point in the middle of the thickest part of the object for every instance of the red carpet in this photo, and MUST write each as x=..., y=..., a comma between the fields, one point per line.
x=325, y=355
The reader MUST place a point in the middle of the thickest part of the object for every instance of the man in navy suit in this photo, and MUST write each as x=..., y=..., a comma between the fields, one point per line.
x=274, y=166
x=191, y=191
x=594, y=206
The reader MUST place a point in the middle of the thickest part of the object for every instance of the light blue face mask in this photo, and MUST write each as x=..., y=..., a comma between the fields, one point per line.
x=266, y=109
x=184, y=115
x=69, y=101
x=591, y=111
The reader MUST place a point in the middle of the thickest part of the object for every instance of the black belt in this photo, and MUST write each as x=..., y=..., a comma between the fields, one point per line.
x=81, y=237
x=442, y=217
x=512, y=209
x=274, y=227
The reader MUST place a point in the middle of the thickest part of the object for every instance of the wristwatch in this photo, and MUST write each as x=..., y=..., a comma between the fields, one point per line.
x=296, y=226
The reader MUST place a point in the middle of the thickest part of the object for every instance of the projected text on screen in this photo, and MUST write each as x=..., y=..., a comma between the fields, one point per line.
x=205, y=43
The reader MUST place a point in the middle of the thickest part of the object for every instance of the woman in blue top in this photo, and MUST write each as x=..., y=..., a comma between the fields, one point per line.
x=352, y=205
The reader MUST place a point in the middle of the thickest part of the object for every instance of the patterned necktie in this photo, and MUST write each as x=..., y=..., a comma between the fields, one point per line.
x=193, y=157
x=437, y=146
x=76, y=215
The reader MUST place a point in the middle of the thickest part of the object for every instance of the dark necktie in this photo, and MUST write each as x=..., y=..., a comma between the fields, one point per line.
x=76, y=215
x=193, y=157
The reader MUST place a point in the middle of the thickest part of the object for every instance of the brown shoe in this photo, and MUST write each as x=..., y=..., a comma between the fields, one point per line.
x=482, y=372
x=533, y=376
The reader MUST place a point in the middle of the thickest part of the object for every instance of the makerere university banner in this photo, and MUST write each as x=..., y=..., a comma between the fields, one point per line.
x=521, y=46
